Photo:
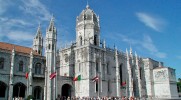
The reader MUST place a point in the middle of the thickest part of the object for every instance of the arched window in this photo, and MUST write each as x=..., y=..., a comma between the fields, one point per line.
x=95, y=39
x=3, y=89
x=80, y=40
x=1, y=63
x=38, y=68
x=21, y=66
x=19, y=90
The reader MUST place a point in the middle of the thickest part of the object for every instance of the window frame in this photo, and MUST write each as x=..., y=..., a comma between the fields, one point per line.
x=2, y=60
x=21, y=64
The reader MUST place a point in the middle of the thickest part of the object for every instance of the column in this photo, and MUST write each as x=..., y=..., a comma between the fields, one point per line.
x=139, y=77
x=117, y=74
x=30, y=74
x=11, y=76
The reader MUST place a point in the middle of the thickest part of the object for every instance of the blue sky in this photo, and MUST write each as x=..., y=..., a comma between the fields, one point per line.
x=151, y=27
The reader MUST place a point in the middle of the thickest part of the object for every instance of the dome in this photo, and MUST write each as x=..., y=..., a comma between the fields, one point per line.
x=87, y=14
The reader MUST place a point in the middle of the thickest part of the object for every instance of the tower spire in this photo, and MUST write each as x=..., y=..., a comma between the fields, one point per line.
x=38, y=41
x=39, y=34
x=87, y=6
x=51, y=26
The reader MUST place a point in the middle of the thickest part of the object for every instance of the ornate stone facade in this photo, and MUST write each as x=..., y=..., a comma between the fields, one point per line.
x=119, y=73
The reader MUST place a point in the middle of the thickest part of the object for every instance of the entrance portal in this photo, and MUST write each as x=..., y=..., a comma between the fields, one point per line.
x=66, y=90
x=19, y=90
x=37, y=93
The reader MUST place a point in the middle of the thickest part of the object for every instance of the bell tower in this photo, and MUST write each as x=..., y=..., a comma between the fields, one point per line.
x=87, y=28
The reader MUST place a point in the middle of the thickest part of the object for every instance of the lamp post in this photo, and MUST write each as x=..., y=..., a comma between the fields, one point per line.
x=55, y=91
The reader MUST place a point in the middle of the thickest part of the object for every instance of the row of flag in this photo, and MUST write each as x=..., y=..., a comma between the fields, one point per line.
x=53, y=75
x=77, y=78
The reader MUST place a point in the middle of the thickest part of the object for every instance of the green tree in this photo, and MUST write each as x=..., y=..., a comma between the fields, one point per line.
x=179, y=80
x=179, y=84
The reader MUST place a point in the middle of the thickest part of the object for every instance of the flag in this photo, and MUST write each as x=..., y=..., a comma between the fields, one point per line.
x=123, y=83
x=78, y=78
x=95, y=79
x=26, y=74
x=53, y=75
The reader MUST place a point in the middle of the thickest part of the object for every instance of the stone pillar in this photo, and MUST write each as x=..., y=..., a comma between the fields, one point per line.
x=117, y=74
x=11, y=76
x=30, y=79
x=45, y=86
x=130, y=79
x=138, y=76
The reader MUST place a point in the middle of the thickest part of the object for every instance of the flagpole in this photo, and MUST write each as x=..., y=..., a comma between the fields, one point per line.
x=126, y=88
x=56, y=81
x=98, y=84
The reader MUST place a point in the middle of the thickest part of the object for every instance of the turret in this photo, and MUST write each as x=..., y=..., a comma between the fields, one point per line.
x=50, y=53
x=38, y=41
x=87, y=28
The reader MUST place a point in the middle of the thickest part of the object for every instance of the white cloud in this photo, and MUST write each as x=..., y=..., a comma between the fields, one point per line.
x=19, y=36
x=145, y=43
x=151, y=21
x=4, y=4
x=36, y=9
x=14, y=22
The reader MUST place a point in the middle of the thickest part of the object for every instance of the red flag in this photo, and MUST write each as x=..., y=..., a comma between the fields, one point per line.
x=53, y=75
x=123, y=83
x=95, y=79
x=78, y=78
x=26, y=75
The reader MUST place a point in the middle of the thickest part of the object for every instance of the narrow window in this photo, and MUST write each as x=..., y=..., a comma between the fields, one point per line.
x=1, y=63
x=80, y=40
x=38, y=51
x=52, y=46
x=49, y=46
x=107, y=68
x=95, y=39
x=140, y=73
x=120, y=73
x=21, y=66
x=108, y=86
x=96, y=86
x=38, y=68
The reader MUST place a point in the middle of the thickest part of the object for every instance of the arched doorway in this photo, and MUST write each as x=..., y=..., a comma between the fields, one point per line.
x=2, y=89
x=66, y=90
x=37, y=93
x=19, y=90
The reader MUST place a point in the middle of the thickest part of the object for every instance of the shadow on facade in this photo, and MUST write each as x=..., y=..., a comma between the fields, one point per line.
x=19, y=90
x=2, y=89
